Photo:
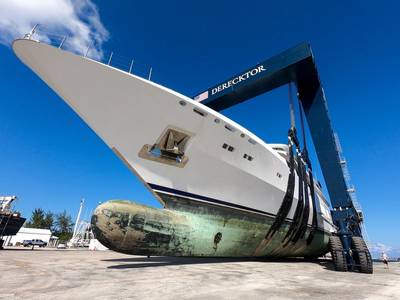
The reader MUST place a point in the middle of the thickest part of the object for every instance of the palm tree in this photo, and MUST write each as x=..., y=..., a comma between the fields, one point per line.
x=63, y=226
x=37, y=218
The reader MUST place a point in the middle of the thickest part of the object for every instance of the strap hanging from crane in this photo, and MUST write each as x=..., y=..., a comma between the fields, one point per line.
x=299, y=208
x=309, y=180
x=288, y=198
x=302, y=227
x=314, y=219
x=299, y=224
x=305, y=161
x=292, y=130
x=293, y=228
x=303, y=133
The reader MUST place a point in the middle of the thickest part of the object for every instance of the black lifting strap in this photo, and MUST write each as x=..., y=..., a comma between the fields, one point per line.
x=314, y=219
x=305, y=160
x=298, y=228
x=301, y=230
x=288, y=198
x=311, y=182
x=299, y=208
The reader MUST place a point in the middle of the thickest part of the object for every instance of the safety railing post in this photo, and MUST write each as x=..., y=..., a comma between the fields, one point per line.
x=62, y=42
x=130, y=67
x=88, y=48
x=31, y=33
x=109, y=60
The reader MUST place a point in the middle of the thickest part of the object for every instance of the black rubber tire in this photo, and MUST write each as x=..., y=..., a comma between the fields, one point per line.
x=338, y=257
x=361, y=255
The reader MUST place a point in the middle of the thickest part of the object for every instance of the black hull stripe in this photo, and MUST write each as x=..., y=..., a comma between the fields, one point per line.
x=10, y=226
x=211, y=200
x=208, y=199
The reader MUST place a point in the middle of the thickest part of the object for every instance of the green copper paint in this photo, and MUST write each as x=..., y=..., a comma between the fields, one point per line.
x=198, y=230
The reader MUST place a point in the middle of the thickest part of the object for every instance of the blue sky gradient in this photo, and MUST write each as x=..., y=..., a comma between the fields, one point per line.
x=50, y=158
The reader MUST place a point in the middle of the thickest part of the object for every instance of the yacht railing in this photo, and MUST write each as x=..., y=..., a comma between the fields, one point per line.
x=70, y=43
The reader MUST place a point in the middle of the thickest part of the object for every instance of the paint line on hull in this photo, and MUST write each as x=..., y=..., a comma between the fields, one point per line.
x=171, y=191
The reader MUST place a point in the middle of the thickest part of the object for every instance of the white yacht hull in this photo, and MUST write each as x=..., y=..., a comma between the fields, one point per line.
x=130, y=113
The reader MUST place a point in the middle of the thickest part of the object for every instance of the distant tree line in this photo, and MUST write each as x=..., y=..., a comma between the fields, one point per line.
x=60, y=224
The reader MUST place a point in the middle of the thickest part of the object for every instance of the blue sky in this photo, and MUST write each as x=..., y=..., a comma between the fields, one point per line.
x=50, y=158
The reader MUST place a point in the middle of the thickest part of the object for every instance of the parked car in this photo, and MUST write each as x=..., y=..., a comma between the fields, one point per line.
x=62, y=246
x=34, y=242
x=26, y=243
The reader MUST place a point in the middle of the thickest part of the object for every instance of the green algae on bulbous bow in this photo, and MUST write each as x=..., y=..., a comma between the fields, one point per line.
x=132, y=228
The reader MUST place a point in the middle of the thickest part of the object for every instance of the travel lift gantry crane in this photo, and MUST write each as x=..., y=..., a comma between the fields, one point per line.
x=296, y=65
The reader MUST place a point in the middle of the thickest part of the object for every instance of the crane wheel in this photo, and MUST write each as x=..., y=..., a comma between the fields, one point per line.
x=338, y=257
x=361, y=255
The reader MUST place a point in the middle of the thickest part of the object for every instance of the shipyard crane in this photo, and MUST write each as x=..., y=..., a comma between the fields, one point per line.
x=297, y=65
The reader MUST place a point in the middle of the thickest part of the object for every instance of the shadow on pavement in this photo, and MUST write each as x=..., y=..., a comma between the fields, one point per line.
x=161, y=261
x=27, y=249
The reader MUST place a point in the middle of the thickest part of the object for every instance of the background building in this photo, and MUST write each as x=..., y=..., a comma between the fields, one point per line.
x=28, y=234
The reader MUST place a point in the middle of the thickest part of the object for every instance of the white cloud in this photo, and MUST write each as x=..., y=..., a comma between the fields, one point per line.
x=78, y=19
x=379, y=248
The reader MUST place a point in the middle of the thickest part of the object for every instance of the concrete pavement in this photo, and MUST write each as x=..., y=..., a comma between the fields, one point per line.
x=84, y=274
